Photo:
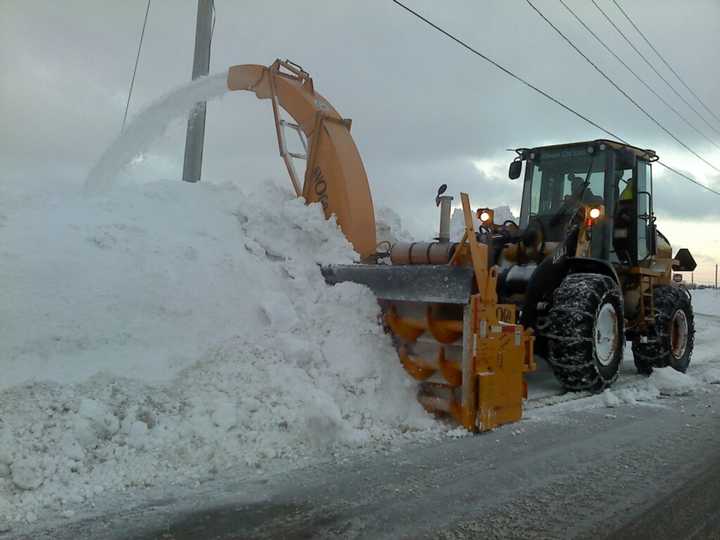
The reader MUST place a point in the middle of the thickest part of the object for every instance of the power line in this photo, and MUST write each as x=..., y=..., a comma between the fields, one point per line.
x=508, y=72
x=665, y=61
x=212, y=27
x=672, y=169
x=619, y=89
x=539, y=91
x=678, y=94
x=137, y=61
x=645, y=84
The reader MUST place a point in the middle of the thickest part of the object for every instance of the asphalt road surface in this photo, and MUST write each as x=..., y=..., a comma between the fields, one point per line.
x=649, y=471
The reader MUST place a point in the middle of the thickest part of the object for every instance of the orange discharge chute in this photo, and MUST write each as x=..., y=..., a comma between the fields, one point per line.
x=334, y=173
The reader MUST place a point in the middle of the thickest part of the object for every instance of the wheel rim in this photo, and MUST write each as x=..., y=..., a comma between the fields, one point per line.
x=678, y=334
x=606, y=334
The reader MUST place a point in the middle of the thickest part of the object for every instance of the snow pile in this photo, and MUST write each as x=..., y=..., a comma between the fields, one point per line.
x=661, y=382
x=457, y=224
x=671, y=382
x=636, y=390
x=175, y=332
x=388, y=226
x=502, y=214
x=457, y=220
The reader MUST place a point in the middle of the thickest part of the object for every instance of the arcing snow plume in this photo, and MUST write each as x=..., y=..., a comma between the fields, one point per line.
x=149, y=124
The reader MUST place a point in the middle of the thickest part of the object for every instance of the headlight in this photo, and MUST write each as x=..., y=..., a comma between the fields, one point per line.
x=486, y=216
x=595, y=213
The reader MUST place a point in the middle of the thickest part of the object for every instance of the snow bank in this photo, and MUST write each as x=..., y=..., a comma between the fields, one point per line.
x=706, y=301
x=388, y=226
x=661, y=382
x=671, y=382
x=628, y=390
x=457, y=221
x=171, y=333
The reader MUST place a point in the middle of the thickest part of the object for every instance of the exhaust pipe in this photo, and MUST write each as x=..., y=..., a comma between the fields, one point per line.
x=445, y=202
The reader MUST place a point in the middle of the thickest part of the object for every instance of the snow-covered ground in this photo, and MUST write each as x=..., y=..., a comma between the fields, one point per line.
x=547, y=402
x=706, y=302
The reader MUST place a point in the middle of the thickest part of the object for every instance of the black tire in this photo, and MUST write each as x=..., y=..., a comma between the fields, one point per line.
x=580, y=357
x=673, y=311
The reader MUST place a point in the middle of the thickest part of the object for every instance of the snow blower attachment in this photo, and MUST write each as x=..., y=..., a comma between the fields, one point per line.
x=438, y=299
x=439, y=302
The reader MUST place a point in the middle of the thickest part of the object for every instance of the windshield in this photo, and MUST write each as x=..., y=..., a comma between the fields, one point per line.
x=558, y=176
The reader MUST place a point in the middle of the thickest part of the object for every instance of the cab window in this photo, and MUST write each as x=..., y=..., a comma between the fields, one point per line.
x=643, y=198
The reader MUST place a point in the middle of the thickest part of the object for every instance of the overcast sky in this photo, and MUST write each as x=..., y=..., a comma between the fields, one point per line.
x=424, y=111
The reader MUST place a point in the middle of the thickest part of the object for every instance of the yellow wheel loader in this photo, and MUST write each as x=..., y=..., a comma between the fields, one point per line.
x=584, y=270
x=591, y=270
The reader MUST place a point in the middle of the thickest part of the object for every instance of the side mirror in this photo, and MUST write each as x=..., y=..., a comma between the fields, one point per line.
x=442, y=189
x=684, y=261
x=515, y=170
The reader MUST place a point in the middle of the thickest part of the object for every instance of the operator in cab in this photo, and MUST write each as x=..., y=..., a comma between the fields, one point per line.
x=627, y=193
x=580, y=192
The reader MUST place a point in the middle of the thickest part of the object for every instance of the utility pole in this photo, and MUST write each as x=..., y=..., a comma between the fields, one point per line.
x=716, y=268
x=195, y=138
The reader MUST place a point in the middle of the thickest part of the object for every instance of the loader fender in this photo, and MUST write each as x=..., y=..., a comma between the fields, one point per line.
x=549, y=274
x=588, y=265
x=544, y=280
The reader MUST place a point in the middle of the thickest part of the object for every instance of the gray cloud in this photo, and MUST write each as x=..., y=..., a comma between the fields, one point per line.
x=677, y=198
x=423, y=109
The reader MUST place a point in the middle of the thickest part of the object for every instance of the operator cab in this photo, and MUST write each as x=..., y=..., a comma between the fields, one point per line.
x=561, y=181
